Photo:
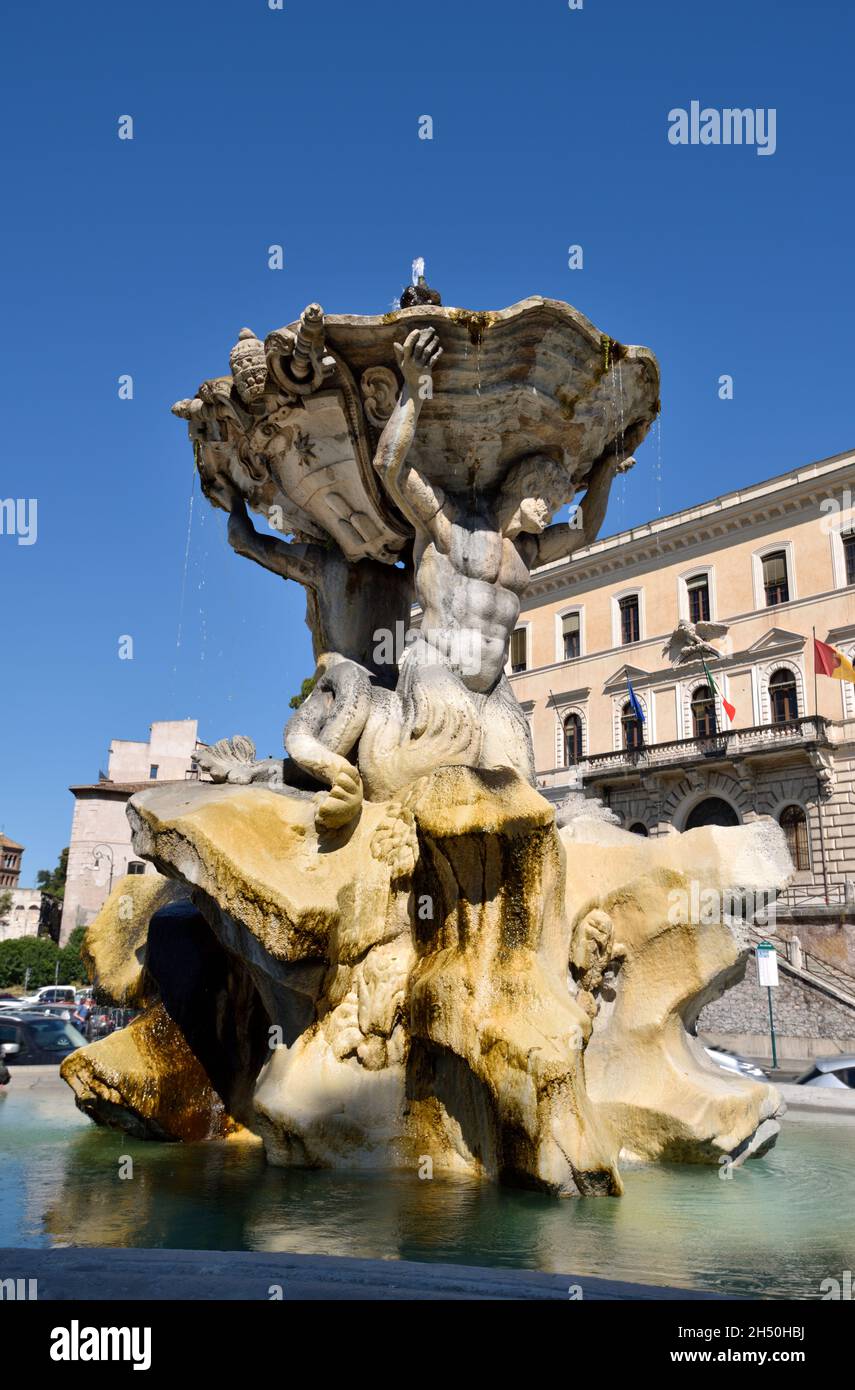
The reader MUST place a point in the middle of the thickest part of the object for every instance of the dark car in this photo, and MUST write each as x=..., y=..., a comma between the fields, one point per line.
x=28, y=1039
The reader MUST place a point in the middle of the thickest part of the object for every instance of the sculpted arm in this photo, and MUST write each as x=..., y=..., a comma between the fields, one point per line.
x=290, y=560
x=562, y=540
x=423, y=504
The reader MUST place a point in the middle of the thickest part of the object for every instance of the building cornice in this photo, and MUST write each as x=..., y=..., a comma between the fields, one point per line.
x=693, y=529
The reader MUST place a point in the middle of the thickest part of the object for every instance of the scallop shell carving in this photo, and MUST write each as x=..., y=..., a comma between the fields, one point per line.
x=249, y=366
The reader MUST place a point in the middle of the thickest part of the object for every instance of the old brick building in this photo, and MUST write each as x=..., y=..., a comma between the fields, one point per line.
x=11, y=855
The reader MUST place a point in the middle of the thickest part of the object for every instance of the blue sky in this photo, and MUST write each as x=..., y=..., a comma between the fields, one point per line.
x=300, y=127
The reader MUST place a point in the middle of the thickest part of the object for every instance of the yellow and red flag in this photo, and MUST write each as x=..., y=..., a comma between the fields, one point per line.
x=828, y=661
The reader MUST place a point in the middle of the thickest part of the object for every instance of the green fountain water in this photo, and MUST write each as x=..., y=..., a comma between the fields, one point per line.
x=776, y=1229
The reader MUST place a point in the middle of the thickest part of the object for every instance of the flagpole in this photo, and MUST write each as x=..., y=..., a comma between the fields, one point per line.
x=818, y=784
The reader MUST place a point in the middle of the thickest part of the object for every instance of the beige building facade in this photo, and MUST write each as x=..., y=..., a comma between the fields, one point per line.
x=772, y=561
x=23, y=915
x=100, y=850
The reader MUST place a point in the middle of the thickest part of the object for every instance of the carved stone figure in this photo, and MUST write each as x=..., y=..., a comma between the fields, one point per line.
x=690, y=642
x=418, y=960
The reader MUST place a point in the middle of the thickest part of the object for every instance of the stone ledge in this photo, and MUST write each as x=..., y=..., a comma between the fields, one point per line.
x=96, y=1273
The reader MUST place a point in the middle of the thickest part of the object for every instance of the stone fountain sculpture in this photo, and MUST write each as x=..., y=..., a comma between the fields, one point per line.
x=382, y=950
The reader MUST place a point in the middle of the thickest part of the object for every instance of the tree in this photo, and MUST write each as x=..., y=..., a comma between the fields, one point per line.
x=53, y=880
x=305, y=691
x=22, y=953
x=5, y=902
x=71, y=967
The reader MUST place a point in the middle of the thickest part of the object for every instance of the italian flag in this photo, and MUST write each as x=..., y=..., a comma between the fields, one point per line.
x=828, y=661
x=729, y=709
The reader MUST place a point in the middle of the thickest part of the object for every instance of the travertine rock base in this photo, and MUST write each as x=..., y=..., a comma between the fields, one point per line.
x=449, y=978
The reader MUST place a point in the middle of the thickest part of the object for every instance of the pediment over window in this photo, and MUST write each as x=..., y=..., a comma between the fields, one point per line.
x=836, y=635
x=777, y=639
x=634, y=673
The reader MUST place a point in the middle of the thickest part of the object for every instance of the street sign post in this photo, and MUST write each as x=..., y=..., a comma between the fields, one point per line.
x=767, y=976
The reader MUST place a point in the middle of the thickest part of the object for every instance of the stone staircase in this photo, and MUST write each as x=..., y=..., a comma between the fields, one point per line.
x=817, y=974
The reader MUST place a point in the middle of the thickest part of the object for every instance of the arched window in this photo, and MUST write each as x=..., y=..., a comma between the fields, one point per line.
x=713, y=810
x=572, y=739
x=703, y=712
x=637, y=828
x=783, y=699
x=632, y=728
x=794, y=825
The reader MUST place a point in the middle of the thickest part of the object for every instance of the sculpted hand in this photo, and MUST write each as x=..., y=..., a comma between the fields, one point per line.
x=417, y=356
x=342, y=802
x=625, y=465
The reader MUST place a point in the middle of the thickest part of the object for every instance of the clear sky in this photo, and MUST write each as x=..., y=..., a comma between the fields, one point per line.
x=299, y=126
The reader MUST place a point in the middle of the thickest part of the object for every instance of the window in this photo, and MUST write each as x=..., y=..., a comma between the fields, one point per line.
x=783, y=700
x=630, y=627
x=632, y=728
x=849, y=556
x=698, y=590
x=775, y=582
x=136, y=866
x=519, y=660
x=794, y=825
x=713, y=810
x=571, y=636
x=638, y=828
x=703, y=712
x=152, y=772
x=572, y=740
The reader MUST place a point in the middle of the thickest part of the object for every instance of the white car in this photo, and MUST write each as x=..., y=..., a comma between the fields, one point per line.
x=730, y=1062
x=830, y=1071
x=49, y=994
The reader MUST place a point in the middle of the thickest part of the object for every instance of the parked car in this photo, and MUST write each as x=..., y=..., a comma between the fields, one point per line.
x=29, y=1039
x=830, y=1071
x=730, y=1062
x=50, y=1010
x=51, y=994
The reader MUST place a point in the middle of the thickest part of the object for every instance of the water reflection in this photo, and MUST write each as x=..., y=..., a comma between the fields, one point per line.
x=780, y=1226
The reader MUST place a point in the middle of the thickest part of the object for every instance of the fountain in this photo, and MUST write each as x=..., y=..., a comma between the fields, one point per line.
x=386, y=949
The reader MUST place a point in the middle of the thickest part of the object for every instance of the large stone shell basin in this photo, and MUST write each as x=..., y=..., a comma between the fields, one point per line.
x=536, y=377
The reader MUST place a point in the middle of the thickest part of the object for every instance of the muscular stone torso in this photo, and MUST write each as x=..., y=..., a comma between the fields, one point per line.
x=470, y=589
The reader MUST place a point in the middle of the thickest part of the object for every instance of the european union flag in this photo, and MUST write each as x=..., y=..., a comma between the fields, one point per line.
x=633, y=700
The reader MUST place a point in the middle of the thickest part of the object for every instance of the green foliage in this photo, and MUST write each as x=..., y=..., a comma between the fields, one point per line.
x=53, y=880
x=36, y=953
x=5, y=902
x=71, y=967
x=40, y=956
x=305, y=691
